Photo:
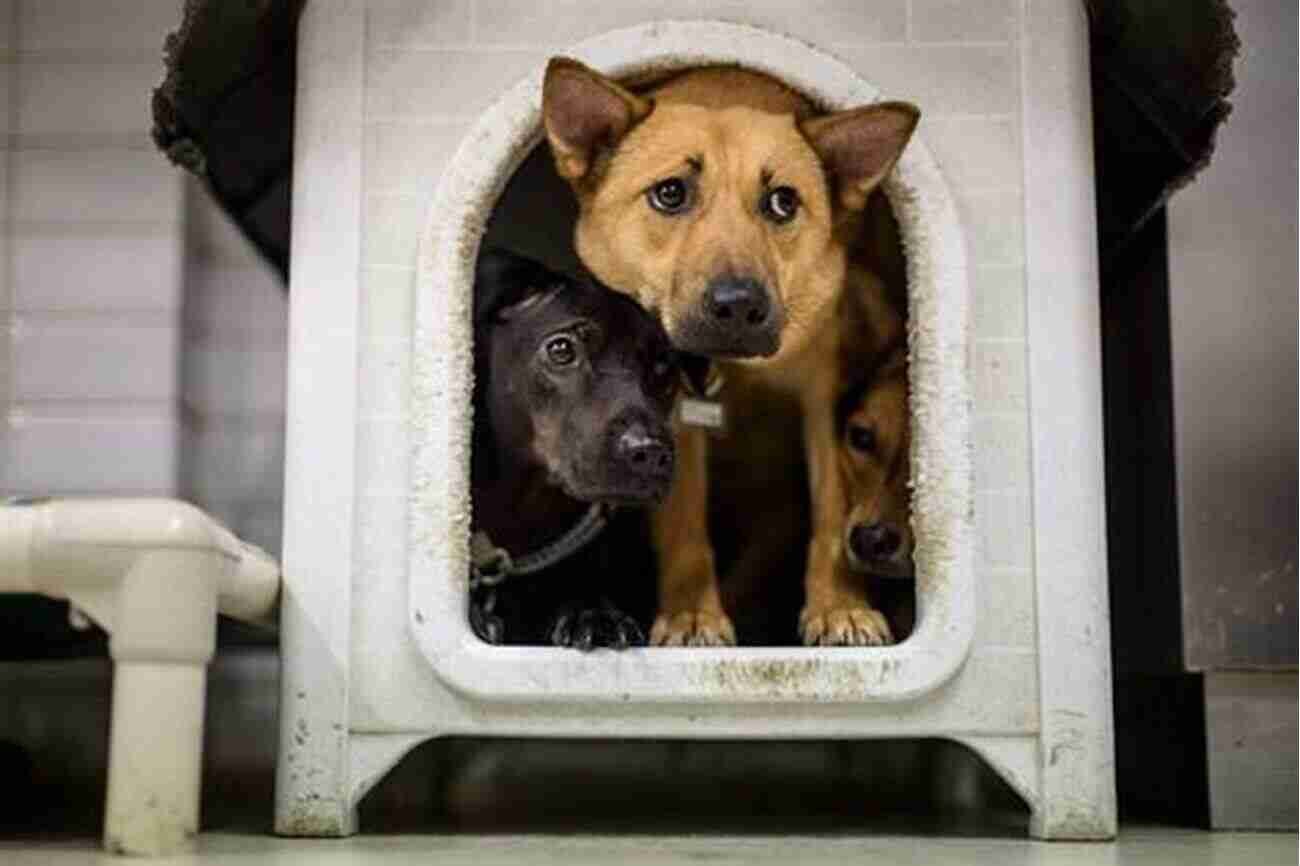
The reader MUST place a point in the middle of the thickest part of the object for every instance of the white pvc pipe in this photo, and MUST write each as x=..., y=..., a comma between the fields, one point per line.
x=154, y=573
x=66, y=547
x=155, y=757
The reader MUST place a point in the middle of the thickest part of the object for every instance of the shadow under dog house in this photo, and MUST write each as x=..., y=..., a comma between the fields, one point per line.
x=394, y=180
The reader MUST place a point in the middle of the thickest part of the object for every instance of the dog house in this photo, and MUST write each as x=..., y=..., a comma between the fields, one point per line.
x=411, y=118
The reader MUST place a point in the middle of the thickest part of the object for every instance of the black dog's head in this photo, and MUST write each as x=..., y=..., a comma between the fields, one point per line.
x=575, y=379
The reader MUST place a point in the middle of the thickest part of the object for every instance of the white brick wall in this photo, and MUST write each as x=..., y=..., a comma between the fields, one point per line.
x=232, y=375
x=91, y=244
x=142, y=347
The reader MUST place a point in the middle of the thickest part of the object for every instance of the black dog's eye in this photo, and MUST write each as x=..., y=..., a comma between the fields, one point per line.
x=561, y=351
x=781, y=204
x=669, y=196
x=862, y=438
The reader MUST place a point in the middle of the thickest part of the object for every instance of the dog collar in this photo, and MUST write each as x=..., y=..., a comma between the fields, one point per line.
x=491, y=565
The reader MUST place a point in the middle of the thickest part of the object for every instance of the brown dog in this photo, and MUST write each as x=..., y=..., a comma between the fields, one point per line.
x=759, y=520
x=875, y=451
x=725, y=205
x=875, y=457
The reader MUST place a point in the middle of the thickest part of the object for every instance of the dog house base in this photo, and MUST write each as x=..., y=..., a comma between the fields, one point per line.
x=376, y=657
x=372, y=756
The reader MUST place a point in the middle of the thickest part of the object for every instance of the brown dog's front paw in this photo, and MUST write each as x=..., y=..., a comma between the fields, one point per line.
x=693, y=628
x=844, y=625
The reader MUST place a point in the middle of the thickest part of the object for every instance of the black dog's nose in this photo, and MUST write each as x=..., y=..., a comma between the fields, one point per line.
x=644, y=453
x=872, y=542
x=740, y=302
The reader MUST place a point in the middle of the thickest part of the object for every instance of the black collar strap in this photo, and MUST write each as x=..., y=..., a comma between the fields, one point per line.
x=491, y=565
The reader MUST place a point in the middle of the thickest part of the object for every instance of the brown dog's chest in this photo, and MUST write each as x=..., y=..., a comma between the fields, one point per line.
x=763, y=434
x=759, y=510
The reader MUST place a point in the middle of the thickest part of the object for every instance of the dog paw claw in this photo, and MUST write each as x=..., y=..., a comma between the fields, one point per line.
x=586, y=629
x=848, y=625
x=693, y=628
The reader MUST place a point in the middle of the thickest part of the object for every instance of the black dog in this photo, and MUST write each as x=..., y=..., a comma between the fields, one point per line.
x=574, y=386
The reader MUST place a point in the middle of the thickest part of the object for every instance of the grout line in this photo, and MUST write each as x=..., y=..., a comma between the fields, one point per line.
x=61, y=57
x=128, y=317
x=973, y=43
x=1001, y=491
x=385, y=421
x=89, y=229
x=1031, y=517
x=390, y=268
x=1007, y=493
x=1003, y=650
x=447, y=120
x=398, y=193
x=957, y=117
x=431, y=119
x=401, y=48
x=126, y=409
x=975, y=189
x=79, y=142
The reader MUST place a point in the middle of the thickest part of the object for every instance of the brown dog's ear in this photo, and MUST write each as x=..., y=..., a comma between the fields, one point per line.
x=858, y=147
x=583, y=112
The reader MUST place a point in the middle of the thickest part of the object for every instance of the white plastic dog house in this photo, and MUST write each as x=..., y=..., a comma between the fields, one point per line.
x=1011, y=652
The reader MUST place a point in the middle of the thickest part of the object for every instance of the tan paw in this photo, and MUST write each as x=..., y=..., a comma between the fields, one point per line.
x=844, y=625
x=693, y=628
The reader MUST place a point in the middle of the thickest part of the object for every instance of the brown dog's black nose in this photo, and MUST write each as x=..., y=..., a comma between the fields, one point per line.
x=873, y=542
x=739, y=302
x=643, y=453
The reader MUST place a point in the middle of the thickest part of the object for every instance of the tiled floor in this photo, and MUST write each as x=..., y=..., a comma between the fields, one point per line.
x=483, y=802
x=1135, y=848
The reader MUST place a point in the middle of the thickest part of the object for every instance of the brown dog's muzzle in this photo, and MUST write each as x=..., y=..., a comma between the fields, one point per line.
x=879, y=547
x=874, y=542
x=734, y=319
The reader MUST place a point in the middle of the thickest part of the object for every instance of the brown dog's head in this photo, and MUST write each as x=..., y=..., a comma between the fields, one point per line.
x=717, y=199
x=875, y=456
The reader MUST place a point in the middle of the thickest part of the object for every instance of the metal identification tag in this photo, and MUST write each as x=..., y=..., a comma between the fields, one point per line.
x=708, y=414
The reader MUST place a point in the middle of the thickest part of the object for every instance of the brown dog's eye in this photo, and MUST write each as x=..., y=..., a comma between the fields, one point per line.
x=862, y=438
x=561, y=351
x=668, y=196
x=781, y=204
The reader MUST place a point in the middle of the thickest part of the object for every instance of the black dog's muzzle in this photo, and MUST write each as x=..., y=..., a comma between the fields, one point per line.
x=640, y=458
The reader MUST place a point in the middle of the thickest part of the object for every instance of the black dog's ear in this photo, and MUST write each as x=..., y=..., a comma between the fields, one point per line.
x=504, y=279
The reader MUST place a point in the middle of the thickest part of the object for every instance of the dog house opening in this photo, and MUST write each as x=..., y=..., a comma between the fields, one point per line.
x=500, y=191
x=584, y=569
